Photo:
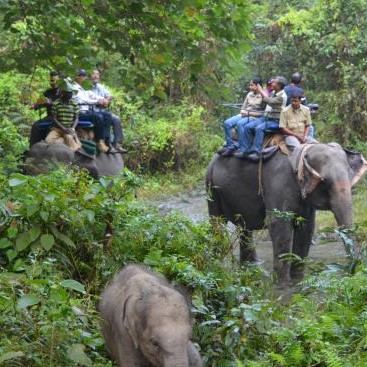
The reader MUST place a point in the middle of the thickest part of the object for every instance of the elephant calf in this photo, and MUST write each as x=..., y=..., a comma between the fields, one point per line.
x=146, y=322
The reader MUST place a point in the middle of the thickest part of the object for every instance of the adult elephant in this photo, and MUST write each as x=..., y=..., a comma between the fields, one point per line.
x=317, y=176
x=41, y=156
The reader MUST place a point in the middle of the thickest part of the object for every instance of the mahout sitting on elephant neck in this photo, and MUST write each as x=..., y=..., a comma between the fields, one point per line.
x=238, y=193
x=146, y=322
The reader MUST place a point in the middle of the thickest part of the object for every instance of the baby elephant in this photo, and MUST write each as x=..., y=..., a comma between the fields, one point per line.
x=146, y=322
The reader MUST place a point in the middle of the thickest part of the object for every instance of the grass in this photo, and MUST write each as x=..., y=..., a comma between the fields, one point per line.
x=158, y=187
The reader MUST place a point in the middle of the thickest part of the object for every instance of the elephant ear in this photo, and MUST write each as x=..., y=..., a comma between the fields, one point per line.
x=357, y=164
x=129, y=318
x=308, y=177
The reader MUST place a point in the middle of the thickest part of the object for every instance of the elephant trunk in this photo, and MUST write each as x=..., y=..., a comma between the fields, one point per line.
x=341, y=203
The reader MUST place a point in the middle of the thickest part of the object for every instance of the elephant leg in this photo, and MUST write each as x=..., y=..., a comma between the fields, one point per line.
x=302, y=238
x=281, y=235
x=214, y=202
x=247, y=248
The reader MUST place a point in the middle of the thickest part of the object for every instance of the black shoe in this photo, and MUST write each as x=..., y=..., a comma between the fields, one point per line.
x=228, y=152
x=222, y=150
x=241, y=154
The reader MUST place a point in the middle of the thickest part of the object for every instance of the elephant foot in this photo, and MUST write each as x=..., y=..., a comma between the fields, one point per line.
x=248, y=255
x=282, y=270
x=297, y=272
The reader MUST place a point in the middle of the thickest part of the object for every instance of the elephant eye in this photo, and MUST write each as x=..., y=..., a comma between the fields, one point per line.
x=155, y=344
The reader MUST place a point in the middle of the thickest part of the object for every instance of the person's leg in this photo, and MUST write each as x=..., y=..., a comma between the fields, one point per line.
x=311, y=132
x=241, y=123
x=248, y=133
x=54, y=136
x=228, y=125
x=260, y=134
x=117, y=130
x=98, y=126
x=292, y=142
x=107, y=123
x=72, y=142
x=229, y=147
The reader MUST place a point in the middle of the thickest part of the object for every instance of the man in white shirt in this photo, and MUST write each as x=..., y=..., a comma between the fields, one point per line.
x=102, y=92
x=101, y=120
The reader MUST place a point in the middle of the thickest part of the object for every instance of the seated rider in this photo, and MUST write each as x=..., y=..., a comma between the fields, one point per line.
x=101, y=119
x=51, y=95
x=102, y=92
x=294, y=87
x=254, y=131
x=65, y=116
x=253, y=106
x=295, y=123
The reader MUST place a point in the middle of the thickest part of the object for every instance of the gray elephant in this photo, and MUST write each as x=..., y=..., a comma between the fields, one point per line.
x=317, y=176
x=146, y=322
x=41, y=156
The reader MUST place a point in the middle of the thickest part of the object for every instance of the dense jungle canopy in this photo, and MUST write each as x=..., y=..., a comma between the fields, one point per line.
x=170, y=66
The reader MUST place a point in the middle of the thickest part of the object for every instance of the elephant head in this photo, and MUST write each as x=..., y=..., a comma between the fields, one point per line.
x=41, y=157
x=326, y=174
x=153, y=326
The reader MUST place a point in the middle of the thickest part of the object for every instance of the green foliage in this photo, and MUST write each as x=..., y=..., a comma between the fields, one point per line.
x=325, y=40
x=47, y=320
x=168, y=49
x=172, y=136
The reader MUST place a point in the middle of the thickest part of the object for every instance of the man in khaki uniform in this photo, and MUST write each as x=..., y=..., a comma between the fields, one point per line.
x=295, y=122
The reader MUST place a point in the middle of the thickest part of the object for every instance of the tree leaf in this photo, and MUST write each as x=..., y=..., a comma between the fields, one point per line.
x=4, y=243
x=76, y=354
x=74, y=285
x=47, y=241
x=10, y=355
x=11, y=254
x=62, y=237
x=27, y=301
x=34, y=233
x=23, y=241
x=17, y=180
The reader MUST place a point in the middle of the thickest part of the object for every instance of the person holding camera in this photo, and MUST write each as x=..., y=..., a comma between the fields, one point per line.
x=253, y=107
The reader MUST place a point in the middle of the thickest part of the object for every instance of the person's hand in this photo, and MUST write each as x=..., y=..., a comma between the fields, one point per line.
x=103, y=102
x=301, y=138
x=71, y=131
x=260, y=88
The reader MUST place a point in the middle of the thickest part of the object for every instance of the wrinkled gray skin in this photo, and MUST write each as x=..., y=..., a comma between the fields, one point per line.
x=42, y=156
x=146, y=322
x=233, y=189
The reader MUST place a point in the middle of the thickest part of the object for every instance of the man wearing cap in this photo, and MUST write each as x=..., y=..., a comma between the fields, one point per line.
x=254, y=131
x=65, y=116
x=295, y=123
x=101, y=119
x=102, y=92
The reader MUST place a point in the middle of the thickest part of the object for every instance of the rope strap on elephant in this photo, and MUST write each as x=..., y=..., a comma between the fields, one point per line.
x=271, y=140
x=299, y=164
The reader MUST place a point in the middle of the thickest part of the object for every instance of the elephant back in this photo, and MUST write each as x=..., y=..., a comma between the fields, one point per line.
x=109, y=164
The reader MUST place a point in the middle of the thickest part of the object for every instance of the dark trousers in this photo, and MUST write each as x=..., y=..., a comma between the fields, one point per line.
x=102, y=123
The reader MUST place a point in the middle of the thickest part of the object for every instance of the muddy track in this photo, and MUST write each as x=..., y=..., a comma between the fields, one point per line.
x=326, y=249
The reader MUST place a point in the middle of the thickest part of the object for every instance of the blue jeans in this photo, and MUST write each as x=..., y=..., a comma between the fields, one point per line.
x=257, y=127
x=229, y=124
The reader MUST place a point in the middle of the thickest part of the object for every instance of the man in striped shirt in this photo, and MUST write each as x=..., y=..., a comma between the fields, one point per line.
x=65, y=116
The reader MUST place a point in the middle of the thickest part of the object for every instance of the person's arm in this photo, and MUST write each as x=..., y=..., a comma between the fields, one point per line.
x=244, y=112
